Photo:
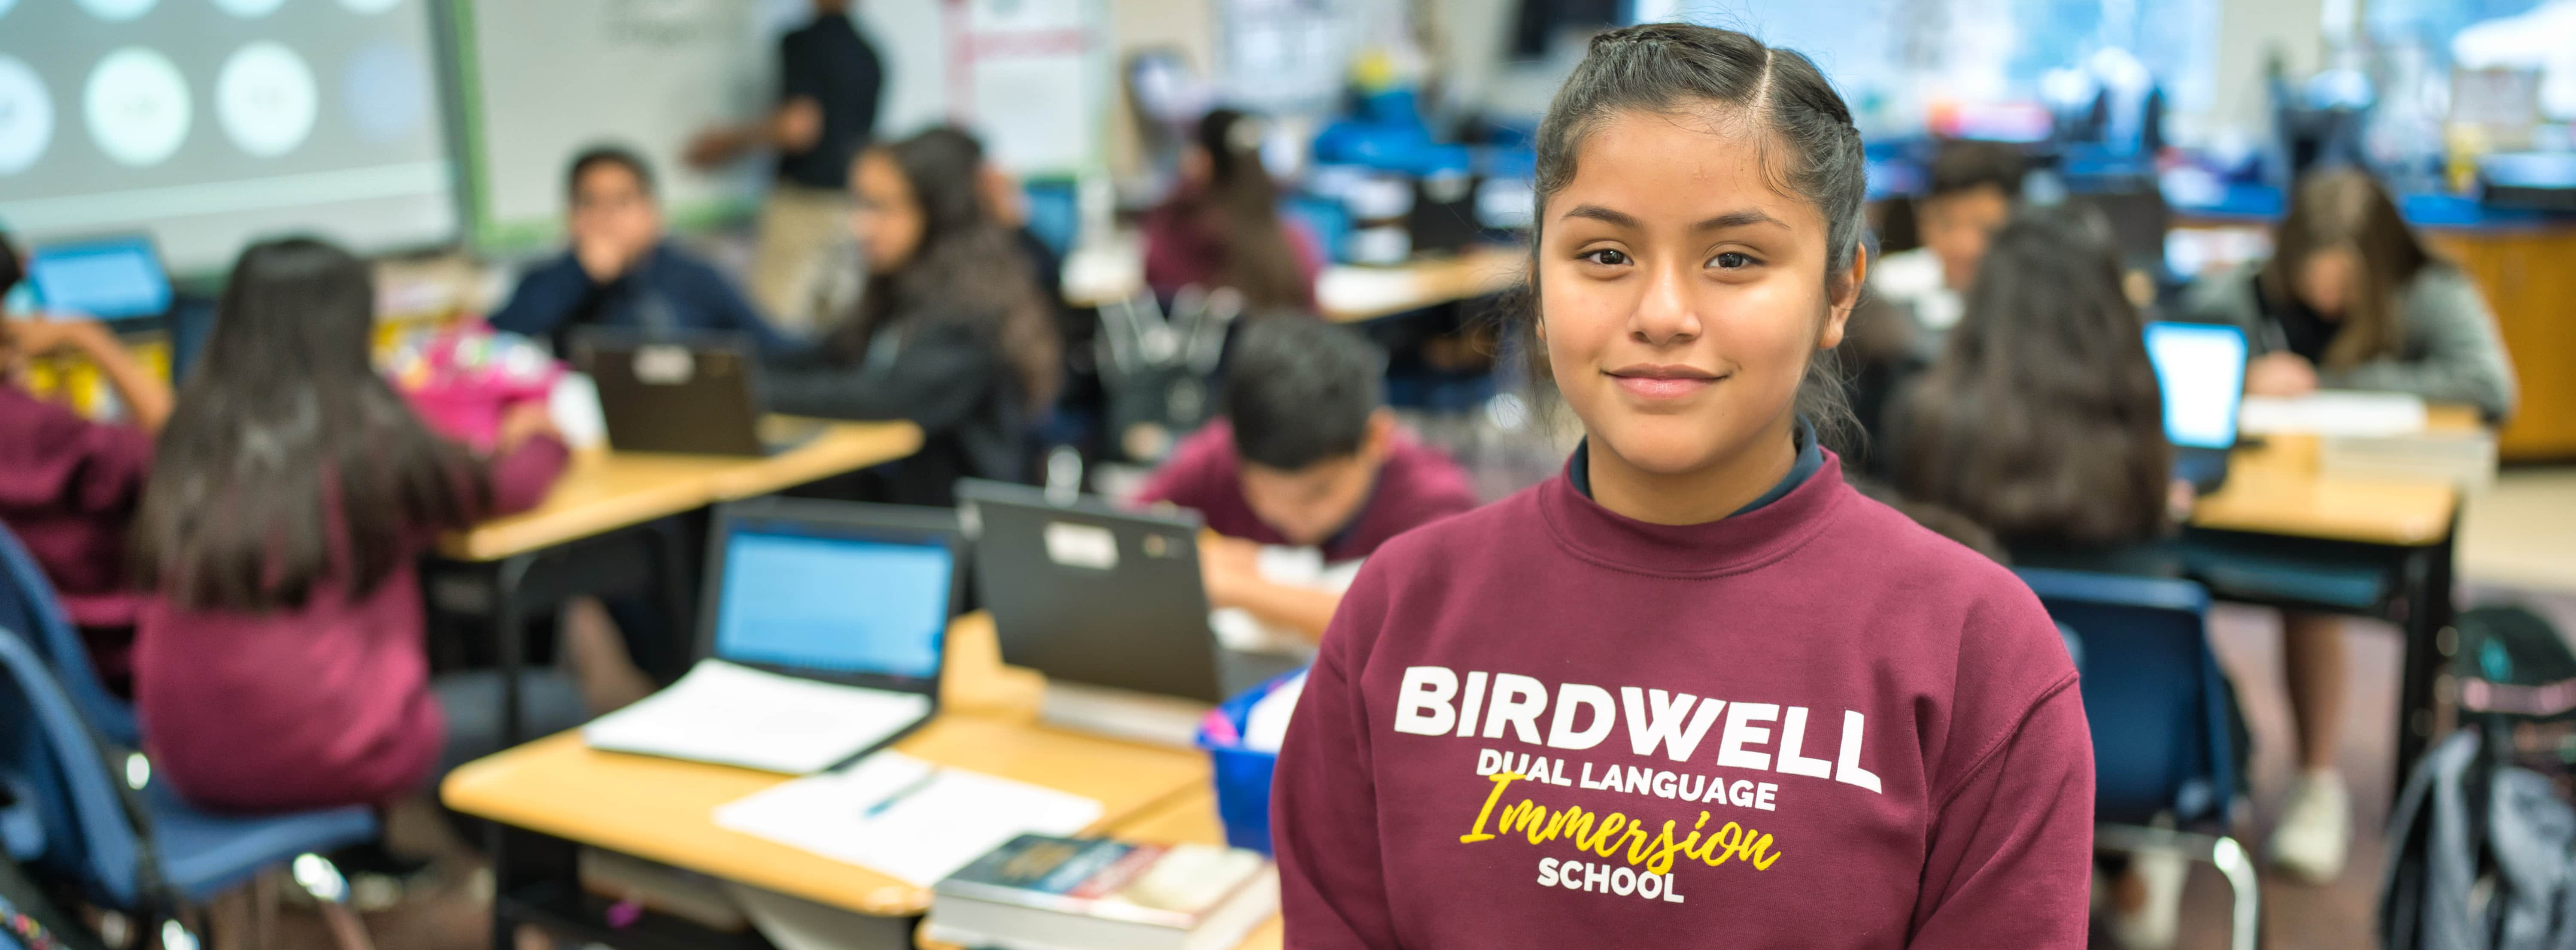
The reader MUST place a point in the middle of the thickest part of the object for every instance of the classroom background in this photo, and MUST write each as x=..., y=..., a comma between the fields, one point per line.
x=638, y=217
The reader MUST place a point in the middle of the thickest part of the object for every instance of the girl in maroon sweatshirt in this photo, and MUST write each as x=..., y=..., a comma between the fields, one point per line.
x=68, y=484
x=282, y=664
x=1696, y=691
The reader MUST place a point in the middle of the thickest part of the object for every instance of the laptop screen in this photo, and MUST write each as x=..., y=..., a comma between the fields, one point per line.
x=109, y=279
x=2201, y=368
x=806, y=597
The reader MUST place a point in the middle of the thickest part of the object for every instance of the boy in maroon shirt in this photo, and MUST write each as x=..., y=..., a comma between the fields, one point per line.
x=1306, y=457
x=68, y=485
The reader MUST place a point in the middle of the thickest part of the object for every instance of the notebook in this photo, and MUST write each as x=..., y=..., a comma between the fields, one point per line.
x=821, y=642
x=905, y=817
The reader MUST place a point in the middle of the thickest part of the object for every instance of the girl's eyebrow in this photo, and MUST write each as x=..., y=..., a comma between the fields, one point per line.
x=1616, y=219
x=1738, y=219
x=1620, y=219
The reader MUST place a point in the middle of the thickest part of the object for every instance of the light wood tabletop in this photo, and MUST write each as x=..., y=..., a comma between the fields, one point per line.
x=2276, y=488
x=1346, y=293
x=1350, y=294
x=663, y=809
x=602, y=491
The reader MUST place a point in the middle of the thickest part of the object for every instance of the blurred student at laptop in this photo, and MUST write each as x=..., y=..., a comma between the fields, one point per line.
x=1306, y=457
x=68, y=485
x=950, y=334
x=622, y=269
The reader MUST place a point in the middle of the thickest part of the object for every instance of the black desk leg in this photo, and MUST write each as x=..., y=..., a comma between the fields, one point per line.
x=525, y=862
x=672, y=658
x=511, y=632
x=2430, y=641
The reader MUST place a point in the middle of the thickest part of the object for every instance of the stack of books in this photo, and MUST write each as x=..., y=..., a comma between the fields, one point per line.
x=1043, y=893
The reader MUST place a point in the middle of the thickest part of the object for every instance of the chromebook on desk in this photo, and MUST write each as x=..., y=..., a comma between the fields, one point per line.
x=820, y=643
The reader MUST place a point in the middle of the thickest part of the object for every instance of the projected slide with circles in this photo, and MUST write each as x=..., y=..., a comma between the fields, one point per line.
x=208, y=123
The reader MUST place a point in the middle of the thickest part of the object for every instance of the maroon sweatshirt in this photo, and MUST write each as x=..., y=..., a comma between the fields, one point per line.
x=68, y=487
x=1415, y=486
x=1816, y=724
x=320, y=706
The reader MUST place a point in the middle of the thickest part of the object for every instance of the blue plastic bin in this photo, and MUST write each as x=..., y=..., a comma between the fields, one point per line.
x=1242, y=775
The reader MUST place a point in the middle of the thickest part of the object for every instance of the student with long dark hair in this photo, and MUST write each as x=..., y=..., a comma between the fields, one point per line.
x=68, y=484
x=2350, y=299
x=950, y=333
x=1695, y=689
x=2042, y=419
x=281, y=665
x=1222, y=228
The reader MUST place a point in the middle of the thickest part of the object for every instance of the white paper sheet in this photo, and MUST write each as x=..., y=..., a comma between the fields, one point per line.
x=2333, y=412
x=925, y=835
x=735, y=715
x=1240, y=631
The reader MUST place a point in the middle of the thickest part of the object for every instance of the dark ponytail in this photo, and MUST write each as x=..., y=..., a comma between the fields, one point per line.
x=1811, y=151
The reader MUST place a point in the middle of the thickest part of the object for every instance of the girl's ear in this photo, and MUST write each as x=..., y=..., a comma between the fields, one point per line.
x=1844, y=291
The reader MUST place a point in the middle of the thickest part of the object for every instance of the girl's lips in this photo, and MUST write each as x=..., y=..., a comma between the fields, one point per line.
x=1659, y=381
x=1663, y=387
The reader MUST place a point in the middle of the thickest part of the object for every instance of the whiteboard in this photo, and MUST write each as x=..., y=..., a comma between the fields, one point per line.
x=541, y=81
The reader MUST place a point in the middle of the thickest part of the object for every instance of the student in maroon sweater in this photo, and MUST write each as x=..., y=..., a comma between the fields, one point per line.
x=68, y=485
x=1306, y=457
x=1221, y=227
x=282, y=666
x=1697, y=691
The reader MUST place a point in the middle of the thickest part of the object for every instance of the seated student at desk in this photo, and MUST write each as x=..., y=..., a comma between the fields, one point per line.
x=2042, y=422
x=1916, y=295
x=950, y=333
x=2048, y=363
x=2350, y=299
x=68, y=485
x=1221, y=227
x=622, y=269
x=1974, y=186
x=1306, y=456
x=281, y=665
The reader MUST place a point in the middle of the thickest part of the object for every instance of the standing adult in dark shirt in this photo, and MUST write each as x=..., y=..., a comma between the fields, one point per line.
x=830, y=83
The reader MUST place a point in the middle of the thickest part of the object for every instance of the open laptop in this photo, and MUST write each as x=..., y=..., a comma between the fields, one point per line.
x=692, y=393
x=2201, y=369
x=111, y=278
x=1108, y=604
x=821, y=640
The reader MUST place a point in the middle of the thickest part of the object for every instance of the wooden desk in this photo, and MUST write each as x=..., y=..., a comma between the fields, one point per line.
x=603, y=491
x=559, y=794
x=663, y=809
x=2406, y=527
x=1346, y=293
x=2276, y=489
x=1349, y=294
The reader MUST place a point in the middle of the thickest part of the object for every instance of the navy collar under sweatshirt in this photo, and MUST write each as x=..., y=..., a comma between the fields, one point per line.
x=1811, y=457
x=1815, y=724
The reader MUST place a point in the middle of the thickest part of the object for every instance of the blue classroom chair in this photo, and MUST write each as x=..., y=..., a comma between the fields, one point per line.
x=85, y=832
x=28, y=605
x=2159, y=712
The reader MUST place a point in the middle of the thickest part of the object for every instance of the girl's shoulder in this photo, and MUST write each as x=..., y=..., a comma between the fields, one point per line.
x=2442, y=289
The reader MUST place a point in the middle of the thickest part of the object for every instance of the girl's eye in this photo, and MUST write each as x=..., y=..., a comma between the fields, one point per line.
x=1611, y=257
x=1731, y=260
